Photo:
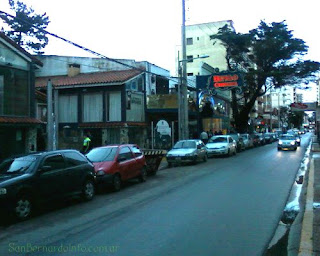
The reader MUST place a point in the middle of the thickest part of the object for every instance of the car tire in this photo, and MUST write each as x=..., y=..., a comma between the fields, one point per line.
x=23, y=207
x=88, y=190
x=116, y=183
x=295, y=148
x=279, y=149
x=205, y=158
x=143, y=174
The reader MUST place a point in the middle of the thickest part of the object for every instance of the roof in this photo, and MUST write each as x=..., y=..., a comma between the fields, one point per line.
x=20, y=49
x=19, y=120
x=114, y=77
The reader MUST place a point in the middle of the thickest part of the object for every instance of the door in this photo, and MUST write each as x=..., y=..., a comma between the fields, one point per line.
x=75, y=172
x=52, y=182
x=127, y=164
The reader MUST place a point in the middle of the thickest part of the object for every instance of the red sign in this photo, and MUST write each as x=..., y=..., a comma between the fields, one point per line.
x=225, y=80
x=299, y=106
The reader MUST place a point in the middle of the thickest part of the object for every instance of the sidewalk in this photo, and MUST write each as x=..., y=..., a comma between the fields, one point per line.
x=310, y=221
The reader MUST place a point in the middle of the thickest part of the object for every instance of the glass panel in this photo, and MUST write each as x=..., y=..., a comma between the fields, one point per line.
x=115, y=106
x=92, y=107
x=15, y=92
x=68, y=105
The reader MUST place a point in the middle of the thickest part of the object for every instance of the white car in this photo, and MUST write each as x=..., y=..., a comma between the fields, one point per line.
x=187, y=151
x=221, y=145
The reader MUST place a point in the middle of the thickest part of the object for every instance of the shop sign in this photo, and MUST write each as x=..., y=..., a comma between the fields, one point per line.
x=226, y=80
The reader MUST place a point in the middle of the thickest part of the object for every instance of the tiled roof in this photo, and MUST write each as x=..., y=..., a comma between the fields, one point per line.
x=19, y=48
x=108, y=77
x=19, y=120
x=112, y=124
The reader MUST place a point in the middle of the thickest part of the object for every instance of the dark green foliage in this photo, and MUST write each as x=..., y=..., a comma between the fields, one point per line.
x=272, y=57
x=25, y=27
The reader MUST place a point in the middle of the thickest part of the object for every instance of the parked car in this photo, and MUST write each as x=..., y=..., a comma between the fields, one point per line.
x=187, y=151
x=116, y=164
x=262, y=140
x=269, y=137
x=247, y=140
x=287, y=141
x=221, y=145
x=256, y=139
x=28, y=181
x=239, y=140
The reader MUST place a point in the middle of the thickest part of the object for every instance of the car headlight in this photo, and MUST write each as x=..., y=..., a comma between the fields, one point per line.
x=298, y=140
x=280, y=142
x=292, y=143
x=100, y=173
x=3, y=191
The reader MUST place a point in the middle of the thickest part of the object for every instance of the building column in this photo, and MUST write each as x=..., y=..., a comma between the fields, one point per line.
x=124, y=135
x=31, y=140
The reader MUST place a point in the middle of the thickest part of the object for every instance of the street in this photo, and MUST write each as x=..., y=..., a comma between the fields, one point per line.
x=226, y=206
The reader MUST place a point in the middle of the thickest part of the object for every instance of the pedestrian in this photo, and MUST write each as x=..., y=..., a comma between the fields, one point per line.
x=204, y=137
x=220, y=132
x=86, y=143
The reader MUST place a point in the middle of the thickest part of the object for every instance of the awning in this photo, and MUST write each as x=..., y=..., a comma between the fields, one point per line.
x=4, y=120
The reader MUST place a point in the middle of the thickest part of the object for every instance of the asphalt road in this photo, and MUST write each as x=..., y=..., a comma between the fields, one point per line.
x=226, y=206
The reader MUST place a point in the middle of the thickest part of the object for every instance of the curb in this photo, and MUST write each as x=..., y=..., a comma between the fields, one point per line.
x=306, y=240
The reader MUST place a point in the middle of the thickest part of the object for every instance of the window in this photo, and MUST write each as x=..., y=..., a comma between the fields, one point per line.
x=115, y=106
x=14, y=92
x=69, y=103
x=74, y=159
x=55, y=162
x=125, y=152
x=136, y=151
x=1, y=94
x=190, y=41
x=190, y=74
x=92, y=107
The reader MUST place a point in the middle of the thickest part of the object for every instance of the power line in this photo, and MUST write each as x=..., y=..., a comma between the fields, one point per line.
x=86, y=49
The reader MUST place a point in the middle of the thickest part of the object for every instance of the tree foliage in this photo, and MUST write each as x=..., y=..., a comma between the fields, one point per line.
x=26, y=27
x=274, y=58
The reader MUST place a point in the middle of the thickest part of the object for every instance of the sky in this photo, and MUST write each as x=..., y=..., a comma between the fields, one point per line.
x=150, y=30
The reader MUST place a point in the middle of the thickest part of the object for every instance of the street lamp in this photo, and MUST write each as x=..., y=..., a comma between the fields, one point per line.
x=183, y=108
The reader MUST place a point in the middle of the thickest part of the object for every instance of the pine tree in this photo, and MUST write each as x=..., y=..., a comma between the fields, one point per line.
x=26, y=27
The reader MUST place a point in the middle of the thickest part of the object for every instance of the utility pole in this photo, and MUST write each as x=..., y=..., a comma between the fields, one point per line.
x=50, y=129
x=184, y=84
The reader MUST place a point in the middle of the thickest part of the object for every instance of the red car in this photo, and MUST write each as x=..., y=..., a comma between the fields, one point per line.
x=115, y=164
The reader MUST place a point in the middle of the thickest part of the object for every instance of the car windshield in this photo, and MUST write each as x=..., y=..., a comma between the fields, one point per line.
x=218, y=140
x=185, y=144
x=17, y=165
x=102, y=154
x=286, y=137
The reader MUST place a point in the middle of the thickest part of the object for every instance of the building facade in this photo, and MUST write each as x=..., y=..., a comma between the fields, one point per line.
x=18, y=123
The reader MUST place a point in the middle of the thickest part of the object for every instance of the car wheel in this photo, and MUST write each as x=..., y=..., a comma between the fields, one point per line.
x=279, y=149
x=295, y=148
x=143, y=174
x=88, y=190
x=116, y=183
x=205, y=158
x=23, y=207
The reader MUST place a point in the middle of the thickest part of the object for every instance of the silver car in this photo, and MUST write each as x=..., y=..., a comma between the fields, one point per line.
x=187, y=151
x=287, y=141
x=221, y=145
